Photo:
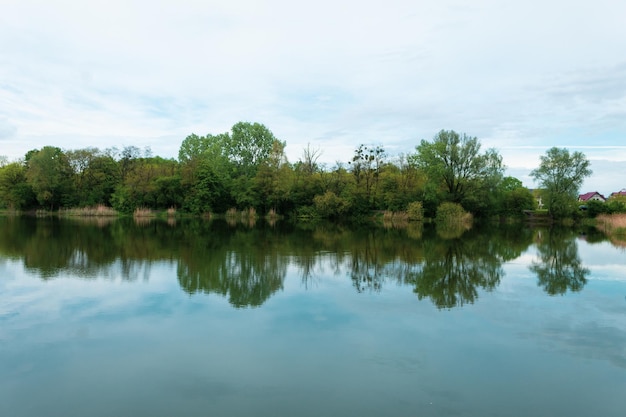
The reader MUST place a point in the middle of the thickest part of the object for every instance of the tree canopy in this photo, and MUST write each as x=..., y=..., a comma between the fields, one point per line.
x=454, y=163
x=246, y=168
x=561, y=174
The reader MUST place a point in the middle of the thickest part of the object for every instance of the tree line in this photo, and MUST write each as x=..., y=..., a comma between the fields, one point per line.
x=247, y=168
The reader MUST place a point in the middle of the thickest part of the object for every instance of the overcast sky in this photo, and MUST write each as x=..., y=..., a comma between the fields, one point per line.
x=522, y=76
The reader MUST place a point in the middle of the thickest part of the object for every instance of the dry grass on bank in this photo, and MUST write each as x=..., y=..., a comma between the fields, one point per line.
x=95, y=211
x=143, y=212
x=612, y=224
x=395, y=219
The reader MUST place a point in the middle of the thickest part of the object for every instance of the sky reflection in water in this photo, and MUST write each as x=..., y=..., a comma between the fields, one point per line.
x=210, y=320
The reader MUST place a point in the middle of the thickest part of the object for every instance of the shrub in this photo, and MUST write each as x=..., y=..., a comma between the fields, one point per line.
x=329, y=205
x=452, y=213
x=415, y=211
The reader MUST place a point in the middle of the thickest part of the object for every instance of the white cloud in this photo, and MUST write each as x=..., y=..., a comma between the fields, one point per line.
x=333, y=74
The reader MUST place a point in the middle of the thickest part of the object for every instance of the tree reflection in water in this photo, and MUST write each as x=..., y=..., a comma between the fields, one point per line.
x=240, y=265
x=248, y=265
x=559, y=268
x=455, y=269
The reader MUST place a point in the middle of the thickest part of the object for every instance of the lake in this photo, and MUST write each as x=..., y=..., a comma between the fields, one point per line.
x=205, y=318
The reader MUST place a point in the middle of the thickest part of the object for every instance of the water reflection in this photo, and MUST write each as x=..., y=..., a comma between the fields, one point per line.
x=248, y=264
x=559, y=268
x=455, y=269
x=236, y=265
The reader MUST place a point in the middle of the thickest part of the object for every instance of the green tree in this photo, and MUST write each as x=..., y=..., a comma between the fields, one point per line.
x=400, y=184
x=15, y=193
x=514, y=198
x=329, y=205
x=272, y=180
x=561, y=174
x=453, y=162
x=49, y=174
x=205, y=173
x=207, y=192
x=248, y=146
x=307, y=179
x=96, y=175
x=367, y=164
x=153, y=182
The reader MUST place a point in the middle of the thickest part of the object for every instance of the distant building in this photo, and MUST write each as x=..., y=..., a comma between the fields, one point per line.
x=538, y=194
x=592, y=196
x=619, y=194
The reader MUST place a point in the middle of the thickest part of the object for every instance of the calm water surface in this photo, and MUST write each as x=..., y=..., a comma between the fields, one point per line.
x=209, y=319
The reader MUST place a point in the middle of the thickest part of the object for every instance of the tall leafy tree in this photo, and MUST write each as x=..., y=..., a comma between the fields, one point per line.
x=272, y=180
x=15, y=192
x=367, y=164
x=153, y=182
x=561, y=174
x=248, y=146
x=205, y=172
x=455, y=163
x=514, y=198
x=49, y=174
x=96, y=174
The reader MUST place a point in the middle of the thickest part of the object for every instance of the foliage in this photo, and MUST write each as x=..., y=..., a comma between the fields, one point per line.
x=272, y=180
x=455, y=166
x=561, y=174
x=149, y=182
x=515, y=198
x=415, y=211
x=450, y=213
x=247, y=168
x=615, y=205
x=329, y=205
x=49, y=174
x=207, y=193
x=249, y=145
x=367, y=163
x=95, y=175
x=15, y=192
x=594, y=208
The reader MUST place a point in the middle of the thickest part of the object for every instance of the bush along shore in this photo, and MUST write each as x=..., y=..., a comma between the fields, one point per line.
x=246, y=171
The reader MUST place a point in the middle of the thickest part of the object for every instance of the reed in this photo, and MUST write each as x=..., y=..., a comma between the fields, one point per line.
x=612, y=224
x=143, y=212
x=400, y=217
x=99, y=210
x=272, y=214
x=395, y=219
x=250, y=213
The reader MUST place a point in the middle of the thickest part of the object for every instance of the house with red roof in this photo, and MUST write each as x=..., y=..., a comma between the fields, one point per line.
x=617, y=194
x=592, y=196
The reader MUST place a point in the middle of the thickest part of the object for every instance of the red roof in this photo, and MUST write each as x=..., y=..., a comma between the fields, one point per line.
x=621, y=193
x=587, y=196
